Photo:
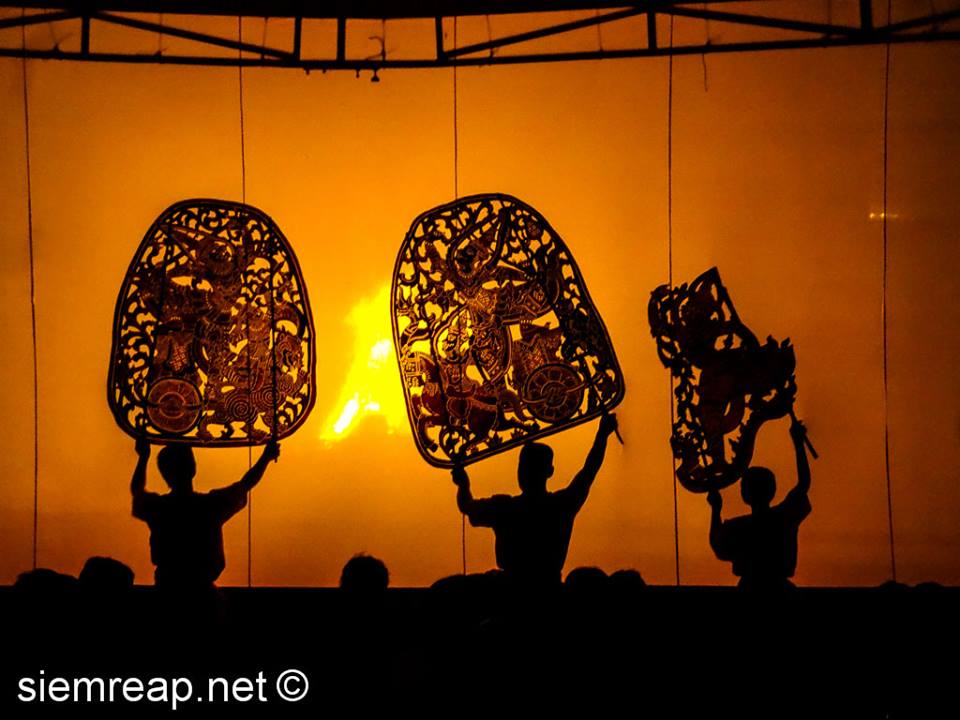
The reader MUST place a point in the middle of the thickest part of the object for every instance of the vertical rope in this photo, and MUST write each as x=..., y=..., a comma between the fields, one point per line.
x=273, y=264
x=673, y=465
x=243, y=196
x=703, y=55
x=670, y=168
x=883, y=304
x=456, y=138
x=273, y=341
x=243, y=149
x=456, y=195
x=33, y=297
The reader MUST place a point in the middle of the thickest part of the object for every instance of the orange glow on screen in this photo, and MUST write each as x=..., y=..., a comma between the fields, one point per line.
x=372, y=384
x=777, y=166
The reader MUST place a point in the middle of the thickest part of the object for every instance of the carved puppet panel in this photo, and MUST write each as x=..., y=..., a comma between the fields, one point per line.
x=727, y=383
x=213, y=342
x=496, y=336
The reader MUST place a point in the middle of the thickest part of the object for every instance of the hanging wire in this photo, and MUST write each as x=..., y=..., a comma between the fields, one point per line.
x=456, y=138
x=33, y=295
x=243, y=197
x=273, y=339
x=673, y=465
x=670, y=164
x=273, y=304
x=243, y=149
x=456, y=196
x=883, y=302
x=703, y=55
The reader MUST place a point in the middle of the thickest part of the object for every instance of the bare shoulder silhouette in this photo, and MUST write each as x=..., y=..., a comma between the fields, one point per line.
x=186, y=527
x=533, y=529
x=762, y=546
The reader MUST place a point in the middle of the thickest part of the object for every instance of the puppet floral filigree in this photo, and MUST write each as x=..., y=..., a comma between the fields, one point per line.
x=496, y=336
x=213, y=342
x=727, y=383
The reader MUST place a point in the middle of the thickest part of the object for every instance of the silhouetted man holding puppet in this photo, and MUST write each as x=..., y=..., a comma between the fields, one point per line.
x=186, y=527
x=533, y=529
x=763, y=545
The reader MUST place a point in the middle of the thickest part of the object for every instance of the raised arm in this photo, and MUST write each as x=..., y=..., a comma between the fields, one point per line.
x=465, y=501
x=480, y=513
x=716, y=525
x=799, y=433
x=138, y=483
x=579, y=487
x=270, y=452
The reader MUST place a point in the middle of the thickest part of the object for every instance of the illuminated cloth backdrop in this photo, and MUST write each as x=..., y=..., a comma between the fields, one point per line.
x=213, y=341
x=497, y=338
x=728, y=383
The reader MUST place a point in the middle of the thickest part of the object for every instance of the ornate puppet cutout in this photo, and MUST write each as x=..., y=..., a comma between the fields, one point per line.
x=496, y=336
x=213, y=341
x=728, y=384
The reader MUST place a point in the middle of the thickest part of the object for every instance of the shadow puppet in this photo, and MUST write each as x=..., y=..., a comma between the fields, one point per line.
x=727, y=386
x=763, y=545
x=533, y=529
x=186, y=527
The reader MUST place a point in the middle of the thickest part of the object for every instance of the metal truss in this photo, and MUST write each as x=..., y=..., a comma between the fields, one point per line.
x=757, y=29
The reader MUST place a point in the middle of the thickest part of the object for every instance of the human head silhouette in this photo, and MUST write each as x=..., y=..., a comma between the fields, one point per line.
x=177, y=466
x=758, y=487
x=536, y=466
x=364, y=575
x=105, y=575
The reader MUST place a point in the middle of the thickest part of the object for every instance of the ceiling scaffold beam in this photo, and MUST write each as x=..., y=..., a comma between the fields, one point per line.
x=83, y=19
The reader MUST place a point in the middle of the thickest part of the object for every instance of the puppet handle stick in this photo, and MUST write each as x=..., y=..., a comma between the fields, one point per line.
x=273, y=432
x=616, y=430
x=806, y=440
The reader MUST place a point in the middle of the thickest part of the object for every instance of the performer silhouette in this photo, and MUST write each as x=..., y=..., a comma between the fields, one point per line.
x=186, y=527
x=763, y=545
x=533, y=529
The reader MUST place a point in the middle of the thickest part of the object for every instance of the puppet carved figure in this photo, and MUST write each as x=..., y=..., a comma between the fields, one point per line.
x=728, y=384
x=213, y=342
x=496, y=336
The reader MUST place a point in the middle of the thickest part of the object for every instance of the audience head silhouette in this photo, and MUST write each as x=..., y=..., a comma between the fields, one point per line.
x=105, y=574
x=758, y=487
x=177, y=467
x=364, y=575
x=535, y=468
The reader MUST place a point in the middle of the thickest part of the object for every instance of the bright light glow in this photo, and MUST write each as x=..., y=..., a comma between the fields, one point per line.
x=347, y=416
x=379, y=352
x=372, y=384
